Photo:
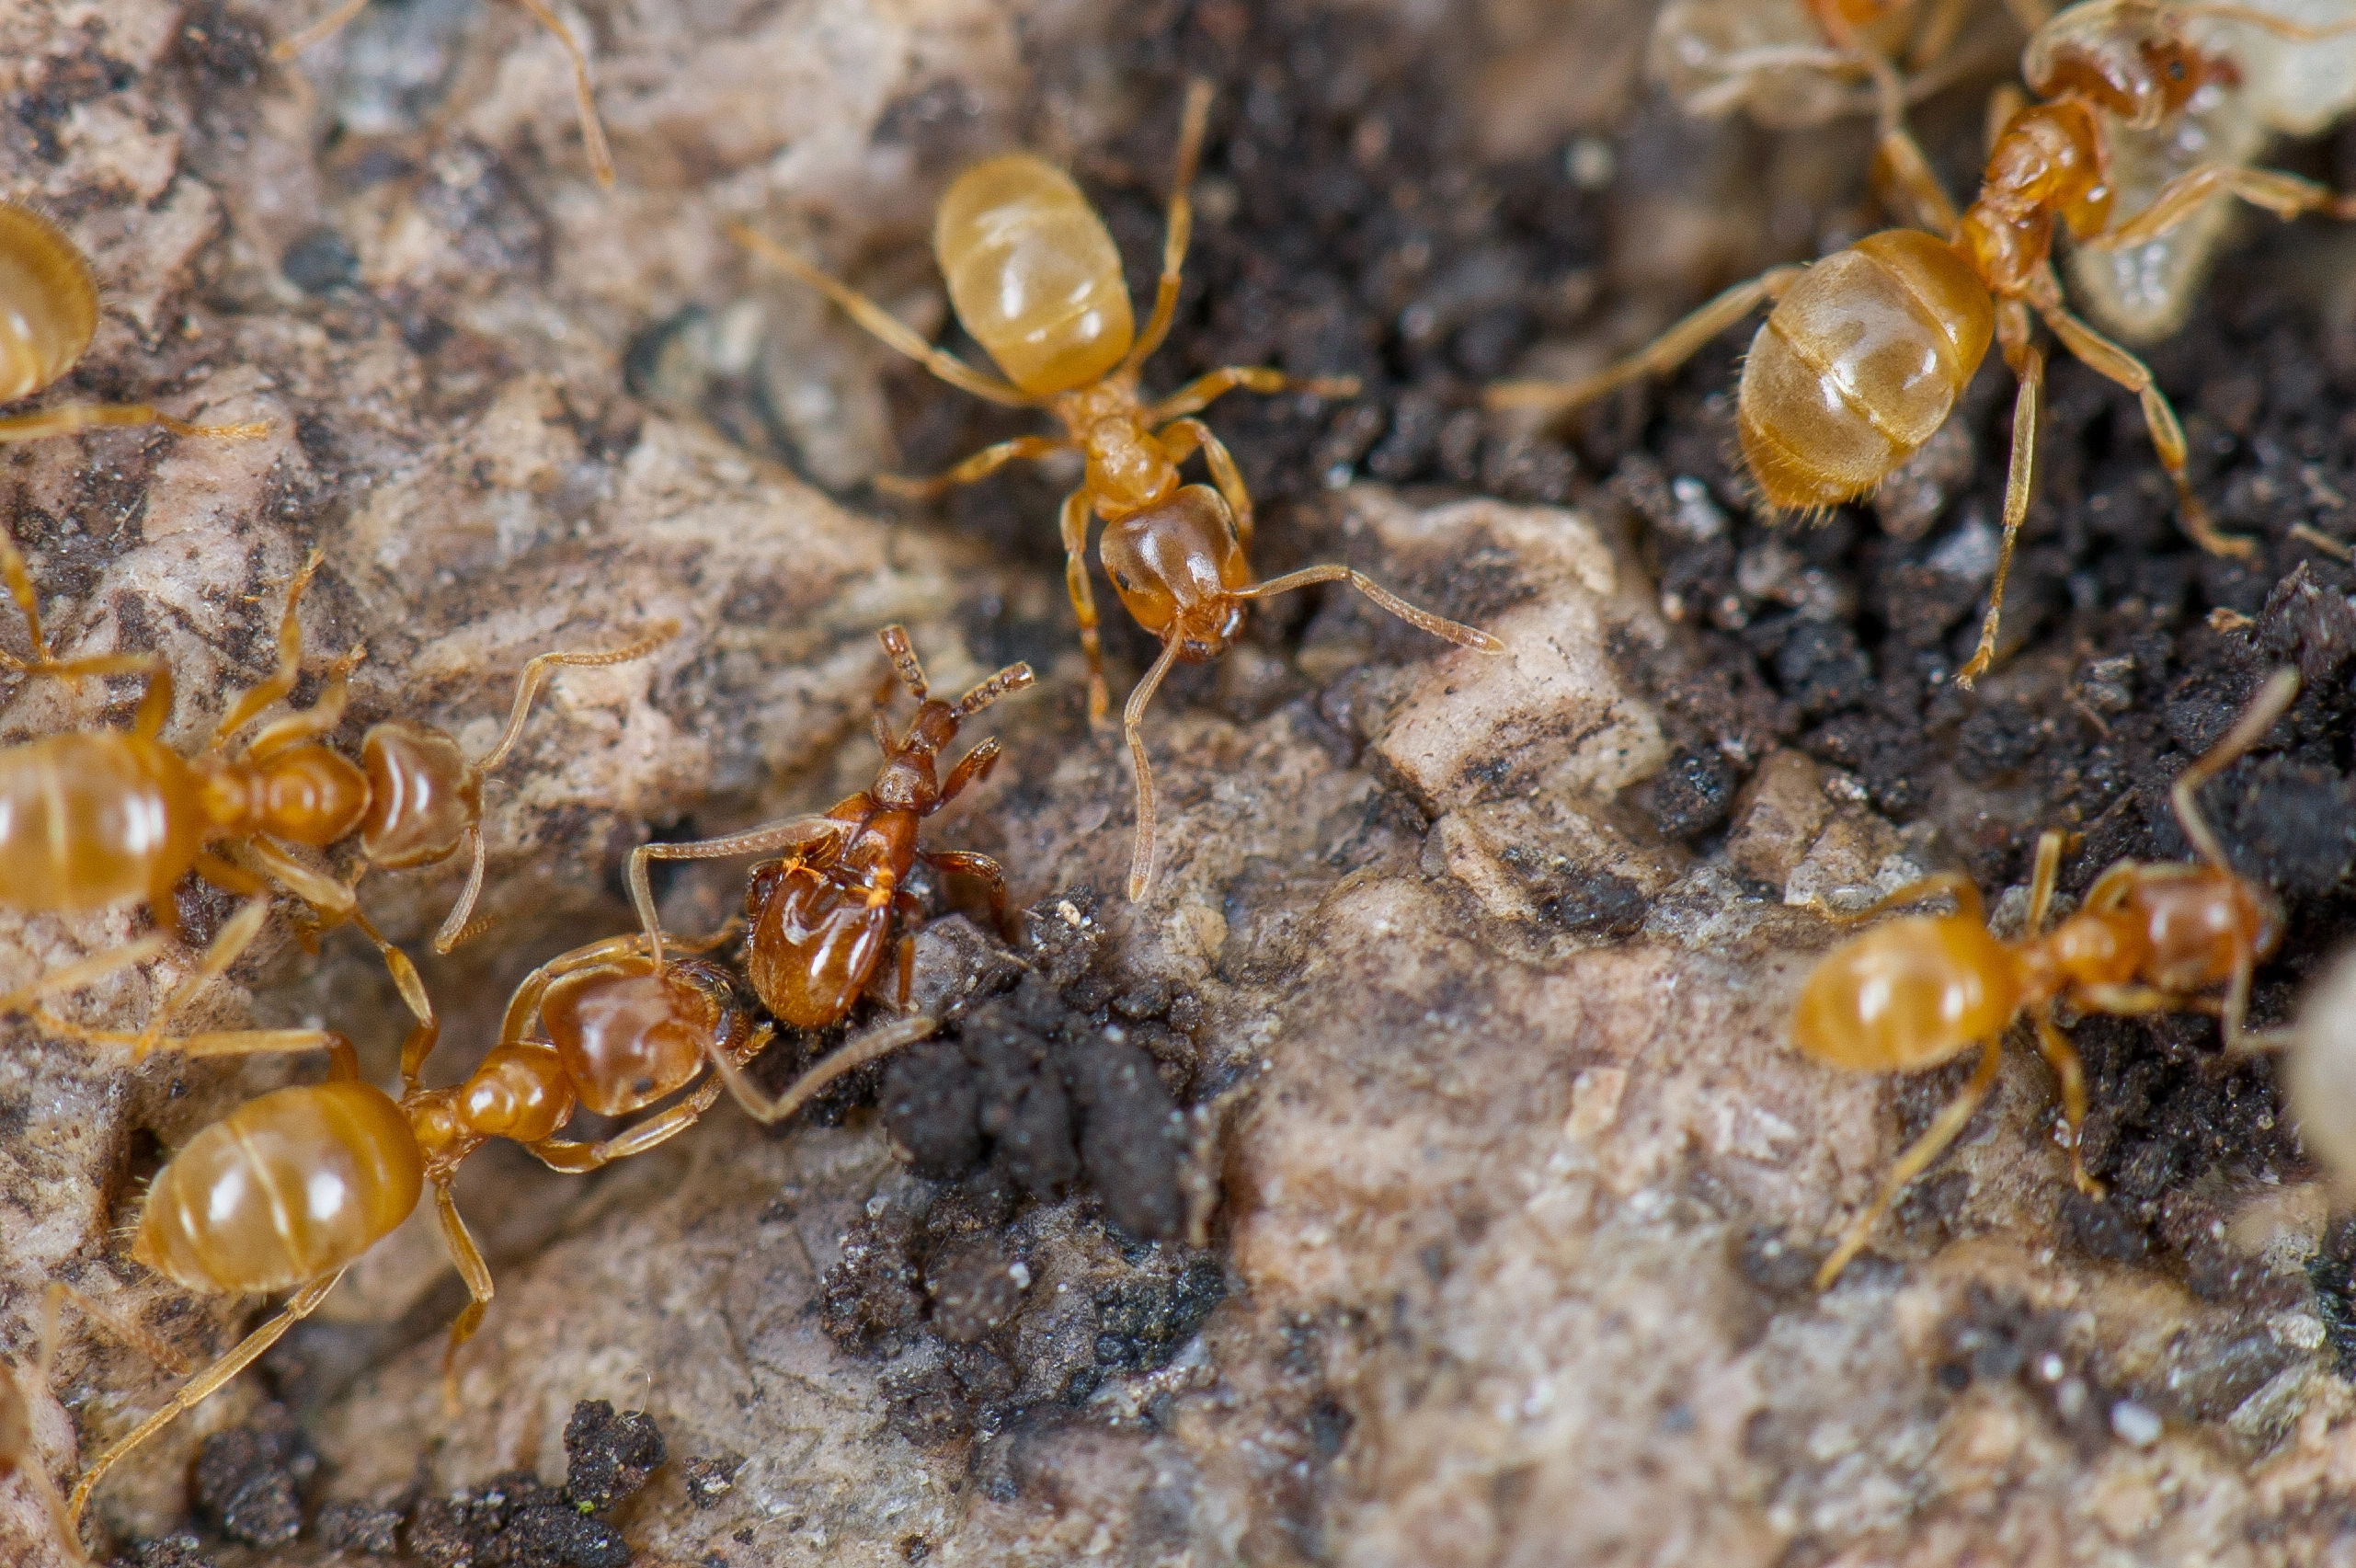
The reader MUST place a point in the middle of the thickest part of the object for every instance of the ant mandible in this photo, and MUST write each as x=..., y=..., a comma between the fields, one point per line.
x=1918, y=992
x=592, y=129
x=49, y=314
x=1866, y=351
x=94, y=820
x=1035, y=277
x=600, y=1028
x=822, y=914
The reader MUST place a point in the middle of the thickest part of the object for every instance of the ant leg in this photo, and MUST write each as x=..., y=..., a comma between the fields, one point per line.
x=794, y=835
x=92, y=416
x=1132, y=716
x=983, y=464
x=290, y=662
x=1424, y=620
x=1914, y=1162
x=1953, y=884
x=1665, y=353
x=2050, y=845
x=1208, y=388
x=71, y=977
x=971, y=769
x=855, y=1053
x=1177, y=227
x=2062, y=1057
x=2284, y=195
x=226, y=948
x=911, y=914
x=535, y=675
x=426, y=1032
x=316, y=720
x=882, y=323
x=2280, y=690
x=1194, y=433
x=2108, y=359
x=579, y=1159
x=592, y=129
x=1083, y=603
x=468, y=1257
x=319, y=32
x=329, y=899
x=986, y=871
x=304, y=1302
x=20, y=588
x=2028, y=368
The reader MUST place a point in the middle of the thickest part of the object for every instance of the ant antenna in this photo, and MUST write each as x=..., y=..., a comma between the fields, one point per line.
x=1132, y=715
x=905, y=663
x=457, y=927
x=2276, y=694
x=1013, y=678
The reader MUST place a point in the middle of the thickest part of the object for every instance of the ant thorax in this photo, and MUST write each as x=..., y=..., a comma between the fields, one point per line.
x=1127, y=469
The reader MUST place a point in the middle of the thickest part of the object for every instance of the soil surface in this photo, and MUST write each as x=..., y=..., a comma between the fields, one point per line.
x=1421, y=1172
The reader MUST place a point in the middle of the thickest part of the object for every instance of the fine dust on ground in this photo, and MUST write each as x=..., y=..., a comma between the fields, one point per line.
x=1420, y=1173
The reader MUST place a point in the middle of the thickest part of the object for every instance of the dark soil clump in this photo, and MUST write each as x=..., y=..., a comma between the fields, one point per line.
x=1036, y=1257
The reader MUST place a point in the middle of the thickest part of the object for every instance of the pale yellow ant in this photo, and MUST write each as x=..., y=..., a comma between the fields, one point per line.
x=49, y=314
x=292, y=1188
x=1915, y=993
x=1035, y=277
x=1865, y=354
x=93, y=820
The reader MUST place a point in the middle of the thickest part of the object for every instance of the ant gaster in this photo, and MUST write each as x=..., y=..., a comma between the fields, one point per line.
x=1866, y=351
x=1915, y=993
x=49, y=312
x=290, y=1189
x=592, y=129
x=1035, y=277
x=822, y=915
x=91, y=820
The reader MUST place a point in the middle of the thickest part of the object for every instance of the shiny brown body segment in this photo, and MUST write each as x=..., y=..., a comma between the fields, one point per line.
x=292, y=1188
x=1865, y=354
x=821, y=915
x=1035, y=277
x=97, y=820
x=1914, y=993
x=49, y=312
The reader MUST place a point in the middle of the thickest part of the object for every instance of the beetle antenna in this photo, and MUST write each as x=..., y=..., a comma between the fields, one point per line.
x=1013, y=678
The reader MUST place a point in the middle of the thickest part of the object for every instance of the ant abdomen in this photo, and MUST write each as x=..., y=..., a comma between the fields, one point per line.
x=283, y=1190
x=88, y=820
x=1905, y=994
x=52, y=304
x=1858, y=365
x=423, y=797
x=1033, y=273
x=628, y=1035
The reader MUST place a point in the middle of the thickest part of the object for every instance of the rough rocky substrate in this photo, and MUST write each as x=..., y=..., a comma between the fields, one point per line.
x=1518, y=1185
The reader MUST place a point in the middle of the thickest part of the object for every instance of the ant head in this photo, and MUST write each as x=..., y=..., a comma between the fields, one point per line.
x=2129, y=60
x=1178, y=569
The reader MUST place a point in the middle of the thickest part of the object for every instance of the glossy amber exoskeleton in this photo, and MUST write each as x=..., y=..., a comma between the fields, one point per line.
x=1036, y=279
x=94, y=820
x=822, y=915
x=292, y=1188
x=1864, y=353
x=1915, y=993
x=49, y=312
